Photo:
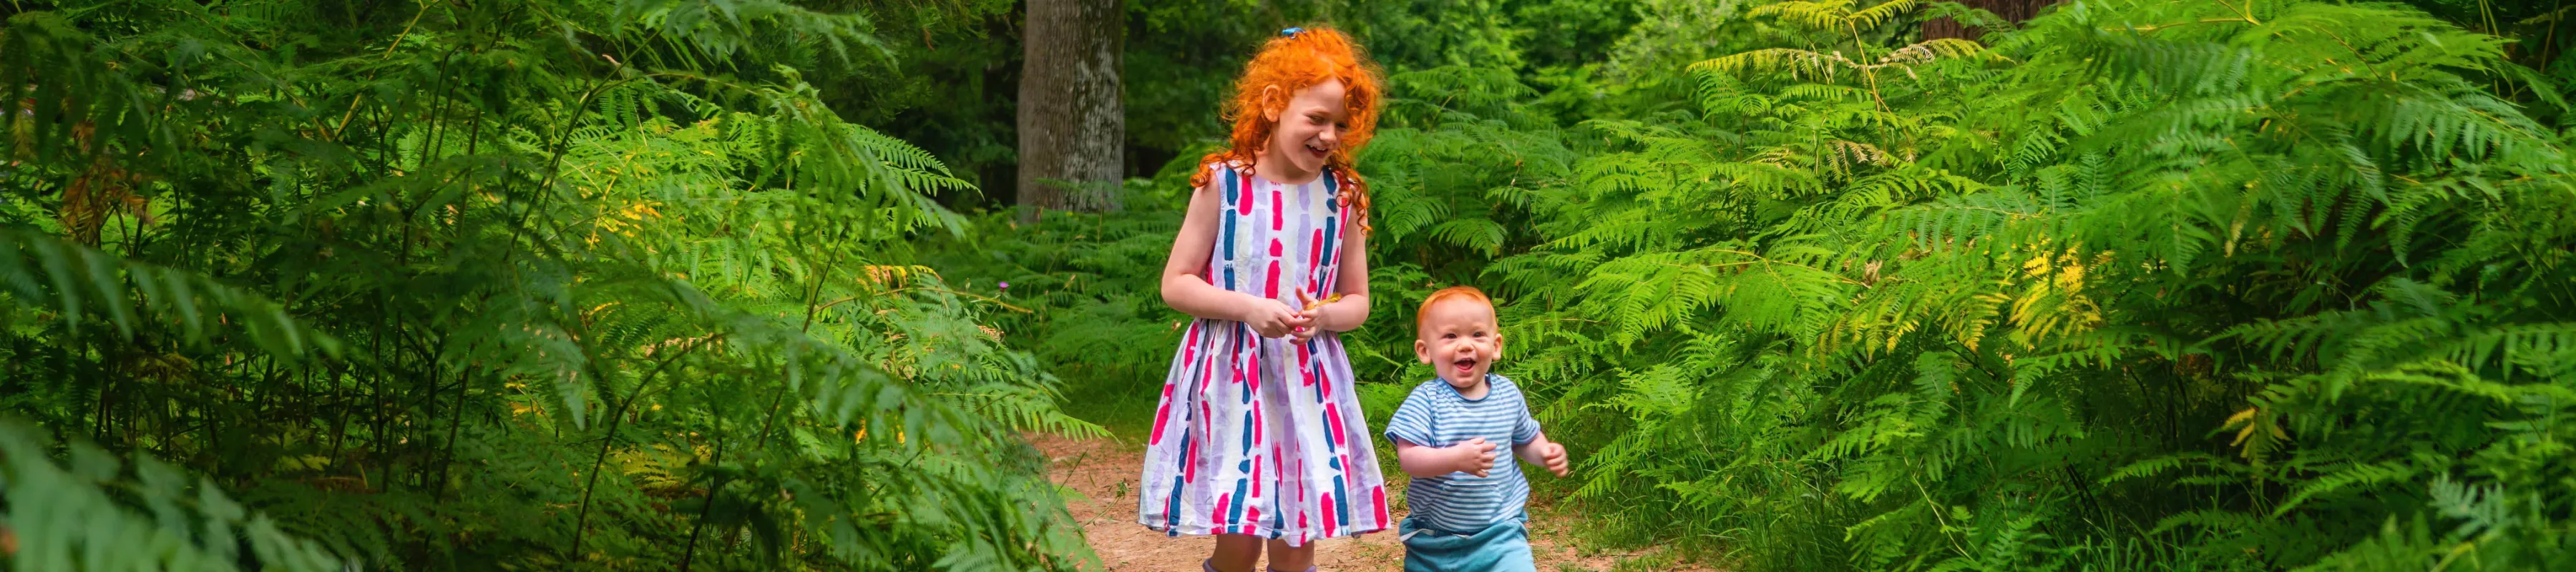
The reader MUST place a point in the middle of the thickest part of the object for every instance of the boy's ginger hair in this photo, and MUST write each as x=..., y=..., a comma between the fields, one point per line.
x=1469, y=293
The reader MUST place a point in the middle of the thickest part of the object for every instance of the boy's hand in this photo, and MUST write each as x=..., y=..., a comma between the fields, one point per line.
x=1554, y=456
x=1475, y=457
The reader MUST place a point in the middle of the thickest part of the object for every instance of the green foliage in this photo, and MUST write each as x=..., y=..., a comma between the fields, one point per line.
x=957, y=74
x=2246, y=284
x=547, y=284
x=571, y=284
x=2133, y=285
x=72, y=518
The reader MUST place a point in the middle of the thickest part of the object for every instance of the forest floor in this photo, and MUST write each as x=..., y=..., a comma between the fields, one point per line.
x=1102, y=474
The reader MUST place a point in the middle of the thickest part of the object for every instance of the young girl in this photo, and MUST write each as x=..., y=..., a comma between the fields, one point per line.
x=1259, y=436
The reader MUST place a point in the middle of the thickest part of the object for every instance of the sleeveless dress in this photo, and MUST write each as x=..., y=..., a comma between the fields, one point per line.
x=1264, y=436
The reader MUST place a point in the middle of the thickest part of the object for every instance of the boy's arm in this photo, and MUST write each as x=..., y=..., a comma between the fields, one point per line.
x=1542, y=452
x=1537, y=450
x=1474, y=457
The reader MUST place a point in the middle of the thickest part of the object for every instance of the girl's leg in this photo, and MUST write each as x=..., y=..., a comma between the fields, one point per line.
x=1285, y=558
x=1235, y=553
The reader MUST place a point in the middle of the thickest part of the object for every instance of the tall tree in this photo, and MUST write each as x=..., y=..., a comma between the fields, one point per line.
x=1072, y=124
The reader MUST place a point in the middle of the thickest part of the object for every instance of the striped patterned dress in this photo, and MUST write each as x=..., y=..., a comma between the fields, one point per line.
x=1264, y=436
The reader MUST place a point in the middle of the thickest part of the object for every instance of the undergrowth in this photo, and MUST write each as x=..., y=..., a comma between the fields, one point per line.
x=2133, y=285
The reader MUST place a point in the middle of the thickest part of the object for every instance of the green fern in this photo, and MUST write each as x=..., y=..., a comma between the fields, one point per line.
x=427, y=287
x=85, y=516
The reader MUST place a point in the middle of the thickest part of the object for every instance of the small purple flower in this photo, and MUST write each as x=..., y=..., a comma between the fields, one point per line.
x=1006, y=285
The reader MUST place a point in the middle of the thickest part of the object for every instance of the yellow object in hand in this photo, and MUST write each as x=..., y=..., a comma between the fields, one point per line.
x=1312, y=304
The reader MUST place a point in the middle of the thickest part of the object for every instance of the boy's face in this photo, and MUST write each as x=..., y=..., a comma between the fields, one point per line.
x=1310, y=126
x=1459, y=339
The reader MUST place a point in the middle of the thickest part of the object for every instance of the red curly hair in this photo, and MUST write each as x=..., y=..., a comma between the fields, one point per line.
x=1293, y=62
x=1461, y=292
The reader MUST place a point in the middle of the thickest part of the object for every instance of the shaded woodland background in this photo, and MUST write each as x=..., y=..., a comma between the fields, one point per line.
x=720, y=284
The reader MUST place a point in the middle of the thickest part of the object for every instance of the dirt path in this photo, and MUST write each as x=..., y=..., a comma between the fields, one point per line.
x=1104, y=472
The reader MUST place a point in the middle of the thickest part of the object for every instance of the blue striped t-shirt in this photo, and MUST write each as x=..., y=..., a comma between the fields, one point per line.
x=1437, y=416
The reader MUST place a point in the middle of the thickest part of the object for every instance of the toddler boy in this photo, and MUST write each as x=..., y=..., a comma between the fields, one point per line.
x=1467, y=509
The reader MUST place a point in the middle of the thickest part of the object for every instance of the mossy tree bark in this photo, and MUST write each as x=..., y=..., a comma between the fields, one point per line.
x=1072, y=122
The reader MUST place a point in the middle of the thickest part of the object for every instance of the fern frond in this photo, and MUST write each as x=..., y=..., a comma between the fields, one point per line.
x=72, y=518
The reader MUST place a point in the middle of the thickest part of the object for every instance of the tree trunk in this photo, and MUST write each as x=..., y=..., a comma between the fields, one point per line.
x=2012, y=11
x=1073, y=128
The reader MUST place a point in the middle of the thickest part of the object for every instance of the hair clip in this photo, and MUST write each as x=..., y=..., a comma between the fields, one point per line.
x=1291, y=32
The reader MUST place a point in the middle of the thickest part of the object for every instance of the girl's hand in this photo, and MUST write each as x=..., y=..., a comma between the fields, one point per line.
x=1272, y=319
x=1302, y=335
x=1475, y=457
x=1313, y=309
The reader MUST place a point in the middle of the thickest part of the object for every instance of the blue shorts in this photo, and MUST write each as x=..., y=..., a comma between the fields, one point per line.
x=1503, y=547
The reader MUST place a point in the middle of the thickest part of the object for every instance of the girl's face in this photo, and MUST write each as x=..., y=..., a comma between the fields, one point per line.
x=1310, y=127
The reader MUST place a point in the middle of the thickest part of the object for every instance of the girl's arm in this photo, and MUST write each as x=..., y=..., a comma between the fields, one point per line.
x=1186, y=289
x=1352, y=284
x=1542, y=452
x=1475, y=457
